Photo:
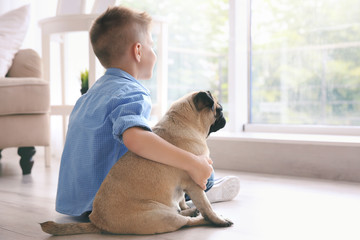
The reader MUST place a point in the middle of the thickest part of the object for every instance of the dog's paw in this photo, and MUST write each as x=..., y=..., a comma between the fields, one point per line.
x=195, y=213
x=222, y=222
x=191, y=212
x=228, y=223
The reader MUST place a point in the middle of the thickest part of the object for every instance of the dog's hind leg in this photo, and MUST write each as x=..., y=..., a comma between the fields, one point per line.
x=162, y=220
x=183, y=205
x=191, y=212
x=169, y=222
x=197, y=221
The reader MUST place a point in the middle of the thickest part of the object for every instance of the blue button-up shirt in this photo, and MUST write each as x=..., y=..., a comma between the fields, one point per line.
x=116, y=102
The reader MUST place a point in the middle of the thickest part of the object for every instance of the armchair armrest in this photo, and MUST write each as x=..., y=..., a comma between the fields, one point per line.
x=26, y=63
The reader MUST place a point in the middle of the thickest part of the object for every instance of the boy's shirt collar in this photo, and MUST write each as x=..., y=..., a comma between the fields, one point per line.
x=121, y=73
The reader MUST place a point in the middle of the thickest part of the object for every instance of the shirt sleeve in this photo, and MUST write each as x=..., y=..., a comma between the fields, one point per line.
x=130, y=111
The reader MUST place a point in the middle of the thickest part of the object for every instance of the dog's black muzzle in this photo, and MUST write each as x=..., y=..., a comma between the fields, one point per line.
x=220, y=120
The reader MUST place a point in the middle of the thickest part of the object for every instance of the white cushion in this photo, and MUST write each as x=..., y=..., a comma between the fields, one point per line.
x=13, y=28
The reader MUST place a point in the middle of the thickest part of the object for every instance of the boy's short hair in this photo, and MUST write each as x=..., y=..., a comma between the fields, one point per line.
x=115, y=30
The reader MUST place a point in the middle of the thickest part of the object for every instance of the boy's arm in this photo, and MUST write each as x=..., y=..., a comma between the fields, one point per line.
x=149, y=145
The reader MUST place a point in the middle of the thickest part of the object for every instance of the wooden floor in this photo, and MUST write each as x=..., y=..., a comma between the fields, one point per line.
x=268, y=207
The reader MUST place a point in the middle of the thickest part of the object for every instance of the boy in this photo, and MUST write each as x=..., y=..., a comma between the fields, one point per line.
x=111, y=118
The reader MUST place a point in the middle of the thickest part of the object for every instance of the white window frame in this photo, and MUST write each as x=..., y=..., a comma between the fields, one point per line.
x=239, y=67
x=240, y=77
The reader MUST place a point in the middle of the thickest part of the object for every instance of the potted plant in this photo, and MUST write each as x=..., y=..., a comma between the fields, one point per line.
x=84, y=81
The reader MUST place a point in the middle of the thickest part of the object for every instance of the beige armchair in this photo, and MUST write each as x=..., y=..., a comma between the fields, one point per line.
x=24, y=108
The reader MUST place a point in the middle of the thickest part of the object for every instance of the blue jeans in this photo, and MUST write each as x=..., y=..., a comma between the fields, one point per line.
x=209, y=185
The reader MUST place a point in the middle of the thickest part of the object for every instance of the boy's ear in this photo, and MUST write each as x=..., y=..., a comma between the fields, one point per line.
x=137, y=51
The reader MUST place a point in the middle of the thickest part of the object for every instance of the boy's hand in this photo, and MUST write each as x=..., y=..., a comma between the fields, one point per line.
x=201, y=171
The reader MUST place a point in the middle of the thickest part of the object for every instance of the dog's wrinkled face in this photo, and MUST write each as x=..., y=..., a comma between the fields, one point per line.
x=204, y=102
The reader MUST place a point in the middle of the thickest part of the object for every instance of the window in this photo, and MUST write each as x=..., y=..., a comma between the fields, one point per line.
x=297, y=63
x=305, y=62
x=198, y=35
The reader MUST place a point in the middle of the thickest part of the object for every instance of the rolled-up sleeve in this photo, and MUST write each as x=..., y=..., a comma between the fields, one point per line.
x=131, y=111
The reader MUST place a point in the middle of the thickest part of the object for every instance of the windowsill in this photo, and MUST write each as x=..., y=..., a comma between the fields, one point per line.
x=288, y=138
x=334, y=157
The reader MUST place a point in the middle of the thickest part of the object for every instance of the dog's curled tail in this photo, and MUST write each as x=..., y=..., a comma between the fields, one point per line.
x=68, y=228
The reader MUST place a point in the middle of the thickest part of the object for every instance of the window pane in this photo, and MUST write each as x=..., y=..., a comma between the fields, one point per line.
x=305, y=65
x=198, y=45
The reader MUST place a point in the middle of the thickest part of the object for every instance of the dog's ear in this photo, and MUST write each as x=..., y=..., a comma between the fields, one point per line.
x=203, y=100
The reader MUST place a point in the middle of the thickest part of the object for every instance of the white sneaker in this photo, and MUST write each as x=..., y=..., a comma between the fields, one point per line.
x=224, y=189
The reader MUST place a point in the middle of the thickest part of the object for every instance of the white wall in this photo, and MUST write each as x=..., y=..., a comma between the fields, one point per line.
x=39, y=9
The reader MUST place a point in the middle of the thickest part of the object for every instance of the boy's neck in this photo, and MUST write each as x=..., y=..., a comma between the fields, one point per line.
x=127, y=67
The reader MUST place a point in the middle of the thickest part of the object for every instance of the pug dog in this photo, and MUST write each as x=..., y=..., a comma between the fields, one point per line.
x=139, y=196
